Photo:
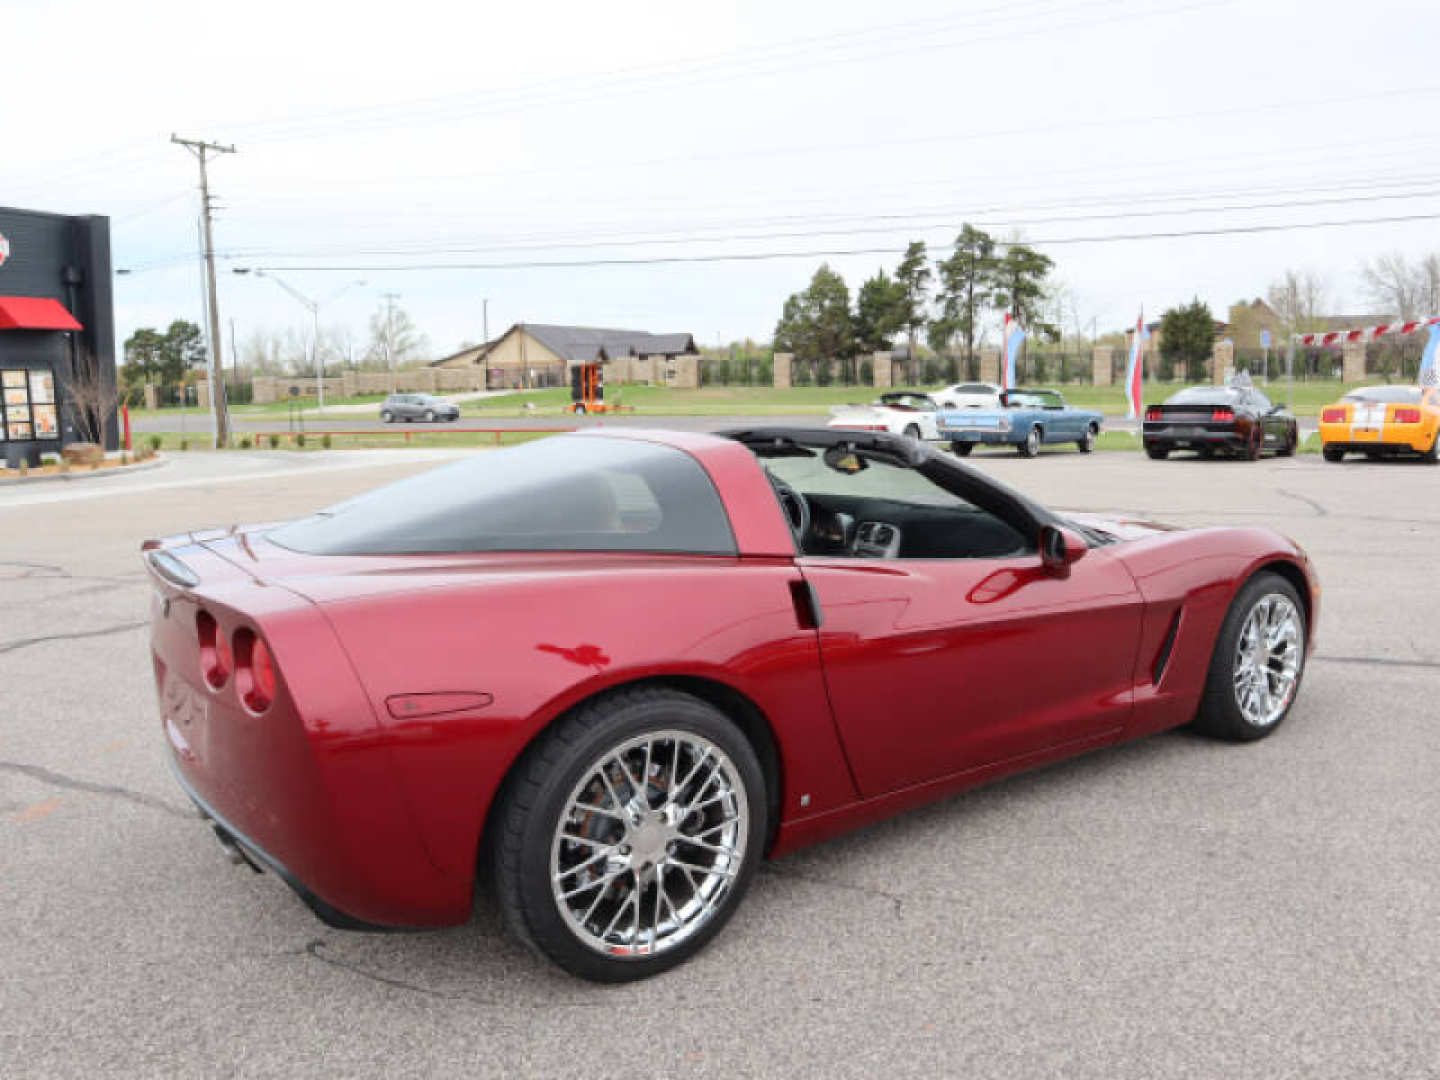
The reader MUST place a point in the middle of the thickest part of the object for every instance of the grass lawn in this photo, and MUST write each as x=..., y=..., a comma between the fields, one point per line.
x=379, y=440
x=808, y=400
x=1310, y=396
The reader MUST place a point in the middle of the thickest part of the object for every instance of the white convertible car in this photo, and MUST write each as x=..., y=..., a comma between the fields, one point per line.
x=901, y=413
x=977, y=395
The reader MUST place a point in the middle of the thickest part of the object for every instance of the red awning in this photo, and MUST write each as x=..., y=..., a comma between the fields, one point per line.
x=35, y=313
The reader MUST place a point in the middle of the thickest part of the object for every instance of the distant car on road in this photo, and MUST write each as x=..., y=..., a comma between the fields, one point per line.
x=1382, y=421
x=1237, y=420
x=900, y=413
x=418, y=407
x=970, y=395
x=1024, y=419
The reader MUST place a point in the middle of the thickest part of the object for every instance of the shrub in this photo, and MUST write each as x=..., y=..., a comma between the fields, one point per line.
x=184, y=444
x=325, y=440
x=84, y=453
x=300, y=439
x=274, y=441
x=245, y=442
x=155, y=442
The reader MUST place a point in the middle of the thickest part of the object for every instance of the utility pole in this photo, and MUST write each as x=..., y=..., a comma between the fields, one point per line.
x=485, y=320
x=390, y=299
x=218, y=404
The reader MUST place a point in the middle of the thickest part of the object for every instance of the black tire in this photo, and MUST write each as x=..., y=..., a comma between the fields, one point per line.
x=913, y=431
x=429, y=416
x=386, y=416
x=1433, y=454
x=1031, y=446
x=1287, y=448
x=1220, y=715
x=1087, y=442
x=1332, y=453
x=1206, y=452
x=1157, y=451
x=961, y=449
x=537, y=793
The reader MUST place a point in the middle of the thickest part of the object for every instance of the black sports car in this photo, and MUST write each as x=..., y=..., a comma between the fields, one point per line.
x=1237, y=420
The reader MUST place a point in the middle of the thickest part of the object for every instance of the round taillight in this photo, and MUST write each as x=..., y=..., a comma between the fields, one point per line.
x=255, y=672
x=216, y=660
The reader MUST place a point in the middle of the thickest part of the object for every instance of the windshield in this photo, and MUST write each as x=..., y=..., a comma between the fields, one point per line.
x=1034, y=399
x=565, y=493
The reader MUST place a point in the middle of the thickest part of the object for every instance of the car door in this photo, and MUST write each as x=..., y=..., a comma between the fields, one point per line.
x=938, y=665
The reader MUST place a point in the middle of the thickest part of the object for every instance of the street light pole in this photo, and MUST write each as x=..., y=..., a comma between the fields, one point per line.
x=312, y=306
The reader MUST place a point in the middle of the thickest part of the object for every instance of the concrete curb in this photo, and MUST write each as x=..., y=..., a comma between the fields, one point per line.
x=125, y=470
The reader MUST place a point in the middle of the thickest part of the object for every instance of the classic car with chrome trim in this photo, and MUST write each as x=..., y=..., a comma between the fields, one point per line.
x=1383, y=421
x=1236, y=420
x=1024, y=419
x=605, y=674
x=903, y=412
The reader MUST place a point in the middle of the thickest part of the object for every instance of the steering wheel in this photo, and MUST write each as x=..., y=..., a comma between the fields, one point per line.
x=797, y=509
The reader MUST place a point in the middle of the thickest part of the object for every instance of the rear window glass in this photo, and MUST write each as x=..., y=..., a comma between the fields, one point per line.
x=1402, y=395
x=1204, y=395
x=565, y=493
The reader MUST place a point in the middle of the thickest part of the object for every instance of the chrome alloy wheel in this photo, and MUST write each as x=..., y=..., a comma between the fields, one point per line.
x=649, y=843
x=1268, y=654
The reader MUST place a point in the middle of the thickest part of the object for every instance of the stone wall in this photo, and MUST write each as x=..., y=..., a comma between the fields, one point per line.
x=1222, y=361
x=1352, y=361
x=1102, y=365
x=783, y=360
x=426, y=380
x=990, y=365
x=882, y=369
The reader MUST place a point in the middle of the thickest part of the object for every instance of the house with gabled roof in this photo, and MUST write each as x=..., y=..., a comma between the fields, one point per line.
x=542, y=354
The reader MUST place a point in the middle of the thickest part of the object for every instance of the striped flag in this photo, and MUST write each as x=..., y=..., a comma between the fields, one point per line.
x=1013, y=338
x=1135, y=373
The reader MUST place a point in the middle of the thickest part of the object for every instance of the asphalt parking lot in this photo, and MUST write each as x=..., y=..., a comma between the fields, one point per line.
x=1173, y=907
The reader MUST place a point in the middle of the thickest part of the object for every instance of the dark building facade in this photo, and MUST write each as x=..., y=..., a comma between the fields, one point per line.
x=57, y=333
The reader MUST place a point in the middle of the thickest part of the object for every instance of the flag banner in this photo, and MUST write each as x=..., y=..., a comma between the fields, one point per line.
x=1368, y=333
x=1135, y=372
x=1428, y=375
x=1014, y=337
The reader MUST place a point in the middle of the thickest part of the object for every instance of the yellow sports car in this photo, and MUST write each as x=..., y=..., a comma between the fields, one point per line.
x=1383, y=420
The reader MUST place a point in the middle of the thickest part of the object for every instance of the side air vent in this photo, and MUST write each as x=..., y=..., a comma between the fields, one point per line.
x=1162, y=658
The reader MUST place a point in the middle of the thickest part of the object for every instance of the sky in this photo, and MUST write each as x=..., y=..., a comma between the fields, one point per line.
x=454, y=154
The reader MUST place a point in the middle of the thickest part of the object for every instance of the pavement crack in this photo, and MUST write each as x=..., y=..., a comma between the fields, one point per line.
x=23, y=643
x=319, y=949
x=1320, y=511
x=54, y=779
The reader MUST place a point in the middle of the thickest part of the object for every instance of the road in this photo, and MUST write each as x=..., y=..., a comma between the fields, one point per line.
x=1174, y=907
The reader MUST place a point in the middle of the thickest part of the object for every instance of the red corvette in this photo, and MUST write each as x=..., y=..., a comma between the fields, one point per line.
x=607, y=673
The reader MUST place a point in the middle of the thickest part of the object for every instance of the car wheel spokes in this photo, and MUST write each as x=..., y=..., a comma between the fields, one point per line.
x=649, y=843
x=1267, y=660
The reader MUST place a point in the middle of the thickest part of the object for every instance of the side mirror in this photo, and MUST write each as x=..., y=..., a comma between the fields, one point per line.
x=1059, y=547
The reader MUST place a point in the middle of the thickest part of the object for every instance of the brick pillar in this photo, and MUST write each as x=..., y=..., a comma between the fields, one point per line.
x=348, y=384
x=783, y=360
x=1222, y=360
x=1102, y=365
x=882, y=372
x=202, y=394
x=990, y=365
x=1352, y=361
x=149, y=396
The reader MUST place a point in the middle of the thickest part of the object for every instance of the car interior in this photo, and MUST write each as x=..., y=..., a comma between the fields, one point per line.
x=857, y=503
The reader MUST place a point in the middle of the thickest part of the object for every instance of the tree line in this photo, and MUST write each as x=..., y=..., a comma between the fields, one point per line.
x=948, y=301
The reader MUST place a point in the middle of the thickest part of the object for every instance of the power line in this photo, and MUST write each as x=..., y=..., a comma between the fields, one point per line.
x=761, y=256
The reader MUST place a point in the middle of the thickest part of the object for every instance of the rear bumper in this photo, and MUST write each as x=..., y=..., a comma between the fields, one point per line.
x=1190, y=435
x=261, y=860
x=1392, y=439
x=985, y=438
